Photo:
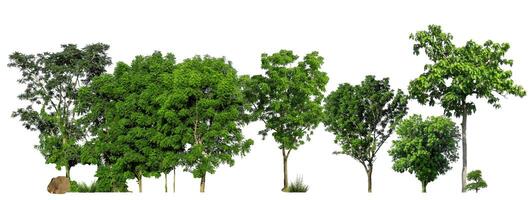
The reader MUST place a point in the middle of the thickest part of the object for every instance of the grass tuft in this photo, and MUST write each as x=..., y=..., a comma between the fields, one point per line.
x=82, y=187
x=298, y=185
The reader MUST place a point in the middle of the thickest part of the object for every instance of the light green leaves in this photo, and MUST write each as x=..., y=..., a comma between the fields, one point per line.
x=288, y=98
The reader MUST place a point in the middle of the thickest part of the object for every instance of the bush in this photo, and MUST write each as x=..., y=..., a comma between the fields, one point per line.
x=298, y=185
x=82, y=187
x=476, y=181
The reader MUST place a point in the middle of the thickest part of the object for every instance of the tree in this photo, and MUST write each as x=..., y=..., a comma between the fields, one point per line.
x=207, y=107
x=288, y=99
x=477, y=182
x=52, y=81
x=123, y=113
x=425, y=147
x=363, y=117
x=457, y=75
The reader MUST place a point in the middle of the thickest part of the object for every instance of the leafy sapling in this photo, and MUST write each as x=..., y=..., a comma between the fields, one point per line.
x=476, y=182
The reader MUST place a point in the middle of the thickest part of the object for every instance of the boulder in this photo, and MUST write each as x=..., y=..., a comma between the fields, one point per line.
x=59, y=185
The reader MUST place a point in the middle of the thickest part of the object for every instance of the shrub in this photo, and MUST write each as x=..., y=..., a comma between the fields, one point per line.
x=298, y=185
x=477, y=182
x=82, y=187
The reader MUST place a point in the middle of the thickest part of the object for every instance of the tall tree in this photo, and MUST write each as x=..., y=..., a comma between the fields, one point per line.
x=363, y=117
x=123, y=113
x=288, y=99
x=206, y=105
x=52, y=81
x=458, y=75
x=425, y=148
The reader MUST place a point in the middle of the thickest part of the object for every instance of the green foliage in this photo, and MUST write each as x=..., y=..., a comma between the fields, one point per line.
x=477, y=182
x=425, y=147
x=52, y=81
x=288, y=99
x=206, y=106
x=456, y=73
x=298, y=185
x=122, y=111
x=82, y=187
x=362, y=117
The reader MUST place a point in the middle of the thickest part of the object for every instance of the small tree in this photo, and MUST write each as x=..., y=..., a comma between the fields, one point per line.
x=52, y=81
x=207, y=107
x=288, y=99
x=363, y=117
x=457, y=75
x=477, y=182
x=425, y=147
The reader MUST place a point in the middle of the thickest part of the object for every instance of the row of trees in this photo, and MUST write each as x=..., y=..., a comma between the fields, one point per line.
x=155, y=114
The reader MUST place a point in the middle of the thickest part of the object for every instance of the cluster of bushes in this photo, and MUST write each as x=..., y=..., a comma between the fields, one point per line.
x=150, y=116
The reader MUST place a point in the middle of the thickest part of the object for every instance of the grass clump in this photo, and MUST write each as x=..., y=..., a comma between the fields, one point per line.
x=82, y=187
x=298, y=185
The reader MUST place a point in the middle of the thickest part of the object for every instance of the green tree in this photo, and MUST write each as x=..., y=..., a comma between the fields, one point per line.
x=131, y=139
x=458, y=75
x=52, y=81
x=425, y=147
x=363, y=117
x=477, y=182
x=206, y=105
x=288, y=99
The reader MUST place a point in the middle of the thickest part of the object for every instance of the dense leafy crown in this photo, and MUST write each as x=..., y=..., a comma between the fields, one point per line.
x=122, y=111
x=52, y=81
x=207, y=101
x=456, y=73
x=288, y=98
x=425, y=147
x=362, y=117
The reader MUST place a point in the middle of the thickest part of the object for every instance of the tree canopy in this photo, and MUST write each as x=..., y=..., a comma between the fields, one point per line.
x=362, y=118
x=425, y=148
x=206, y=105
x=288, y=98
x=52, y=81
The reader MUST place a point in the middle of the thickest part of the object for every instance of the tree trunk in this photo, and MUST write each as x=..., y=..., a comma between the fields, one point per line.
x=423, y=187
x=174, y=180
x=67, y=169
x=165, y=182
x=285, y=172
x=464, y=151
x=139, y=180
x=202, y=183
x=369, y=172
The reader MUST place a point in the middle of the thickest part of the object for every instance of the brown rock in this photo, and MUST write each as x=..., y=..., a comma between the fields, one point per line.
x=59, y=185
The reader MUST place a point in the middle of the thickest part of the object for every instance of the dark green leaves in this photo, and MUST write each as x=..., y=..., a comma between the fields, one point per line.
x=425, y=148
x=476, y=181
x=52, y=82
x=362, y=117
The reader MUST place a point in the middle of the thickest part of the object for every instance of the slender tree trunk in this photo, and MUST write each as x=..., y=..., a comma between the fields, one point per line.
x=464, y=150
x=174, y=180
x=202, y=183
x=285, y=172
x=139, y=180
x=369, y=173
x=67, y=169
x=423, y=187
x=165, y=182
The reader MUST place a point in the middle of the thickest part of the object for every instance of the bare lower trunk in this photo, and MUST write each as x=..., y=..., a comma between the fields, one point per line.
x=174, y=180
x=139, y=180
x=285, y=172
x=369, y=173
x=202, y=184
x=424, y=187
x=67, y=169
x=165, y=182
x=464, y=151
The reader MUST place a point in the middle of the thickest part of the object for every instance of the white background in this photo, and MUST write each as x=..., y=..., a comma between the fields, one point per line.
x=356, y=39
